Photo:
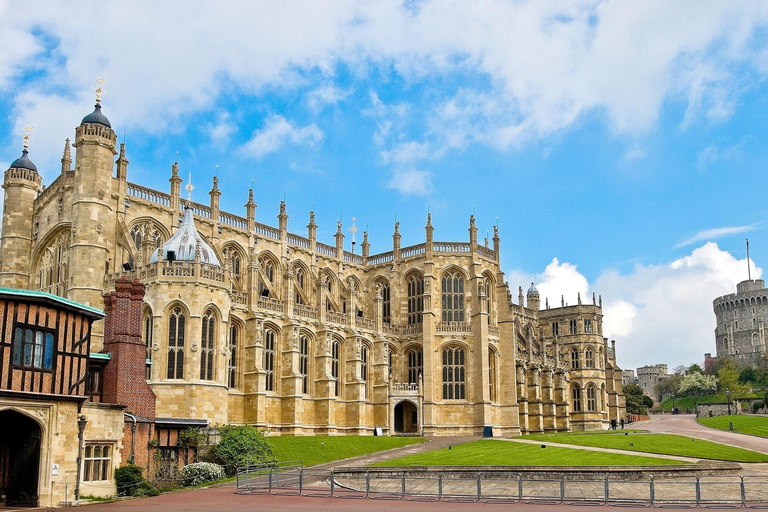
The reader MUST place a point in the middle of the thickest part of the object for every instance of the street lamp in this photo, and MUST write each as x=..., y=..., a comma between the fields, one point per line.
x=673, y=403
x=728, y=395
x=81, y=422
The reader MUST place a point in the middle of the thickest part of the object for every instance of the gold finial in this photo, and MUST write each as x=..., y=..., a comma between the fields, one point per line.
x=99, y=89
x=27, y=130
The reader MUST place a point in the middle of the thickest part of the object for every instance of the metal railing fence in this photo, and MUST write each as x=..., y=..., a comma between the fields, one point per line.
x=291, y=478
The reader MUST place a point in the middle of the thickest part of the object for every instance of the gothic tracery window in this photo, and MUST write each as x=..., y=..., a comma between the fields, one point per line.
x=415, y=365
x=492, y=375
x=269, y=360
x=176, y=327
x=364, y=369
x=415, y=289
x=576, y=398
x=234, y=333
x=575, y=359
x=304, y=363
x=453, y=374
x=335, y=354
x=207, y=351
x=589, y=358
x=53, y=266
x=453, y=296
x=385, y=303
x=591, y=398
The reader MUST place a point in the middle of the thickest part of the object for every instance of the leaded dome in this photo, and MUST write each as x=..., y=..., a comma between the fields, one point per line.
x=184, y=242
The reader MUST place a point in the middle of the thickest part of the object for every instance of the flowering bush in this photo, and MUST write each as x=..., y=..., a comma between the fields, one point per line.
x=200, y=472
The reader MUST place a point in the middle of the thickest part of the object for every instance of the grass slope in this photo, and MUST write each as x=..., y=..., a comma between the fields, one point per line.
x=509, y=453
x=669, y=444
x=755, y=425
x=312, y=450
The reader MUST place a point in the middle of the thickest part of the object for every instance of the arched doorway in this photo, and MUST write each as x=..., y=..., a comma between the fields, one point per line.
x=406, y=418
x=19, y=458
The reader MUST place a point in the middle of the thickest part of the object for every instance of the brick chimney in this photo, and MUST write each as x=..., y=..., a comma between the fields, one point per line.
x=125, y=374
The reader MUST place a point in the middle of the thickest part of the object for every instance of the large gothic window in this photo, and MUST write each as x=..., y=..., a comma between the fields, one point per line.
x=148, y=328
x=415, y=299
x=176, y=327
x=207, y=350
x=385, y=303
x=335, y=353
x=53, y=266
x=234, y=333
x=304, y=363
x=268, y=274
x=591, y=398
x=269, y=360
x=576, y=398
x=589, y=358
x=453, y=297
x=415, y=365
x=453, y=374
x=364, y=369
x=492, y=375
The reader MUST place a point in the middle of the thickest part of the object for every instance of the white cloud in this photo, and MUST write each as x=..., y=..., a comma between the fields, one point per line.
x=711, y=234
x=320, y=98
x=657, y=313
x=221, y=131
x=545, y=64
x=417, y=182
x=278, y=132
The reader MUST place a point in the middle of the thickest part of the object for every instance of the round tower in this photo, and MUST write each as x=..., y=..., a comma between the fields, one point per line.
x=22, y=184
x=533, y=298
x=93, y=213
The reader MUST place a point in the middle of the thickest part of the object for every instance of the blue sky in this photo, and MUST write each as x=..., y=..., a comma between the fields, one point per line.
x=621, y=149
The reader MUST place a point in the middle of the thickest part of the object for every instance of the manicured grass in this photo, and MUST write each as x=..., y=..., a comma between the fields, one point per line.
x=509, y=453
x=669, y=444
x=689, y=403
x=755, y=425
x=312, y=450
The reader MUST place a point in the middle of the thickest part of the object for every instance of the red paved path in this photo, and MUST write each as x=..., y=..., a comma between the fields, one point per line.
x=685, y=424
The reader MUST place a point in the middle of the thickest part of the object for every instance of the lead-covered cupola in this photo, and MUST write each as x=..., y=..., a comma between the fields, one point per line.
x=184, y=243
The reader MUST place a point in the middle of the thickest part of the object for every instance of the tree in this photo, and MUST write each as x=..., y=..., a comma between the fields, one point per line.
x=242, y=445
x=694, y=368
x=633, y=394
x=728, y=375
x=697, y=384
x=666, y=386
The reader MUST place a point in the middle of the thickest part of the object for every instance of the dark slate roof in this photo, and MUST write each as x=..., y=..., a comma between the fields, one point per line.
x=24, y=162
x=96, y=117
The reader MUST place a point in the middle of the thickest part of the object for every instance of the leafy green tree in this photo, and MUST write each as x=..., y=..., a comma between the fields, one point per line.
x=694, y=368
x=633, y=394
x=242, y=445
x=697, y=384
x=728, y=375
x=666, y=386
x=749, y=376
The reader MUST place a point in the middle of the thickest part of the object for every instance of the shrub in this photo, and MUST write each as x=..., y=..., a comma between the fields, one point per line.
x=242, y=445
x=128, y=479
x=756, y=406
x=200, y=472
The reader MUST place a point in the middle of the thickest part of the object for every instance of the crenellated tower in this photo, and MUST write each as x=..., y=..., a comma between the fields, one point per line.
x=93, y=217
x=22, y=184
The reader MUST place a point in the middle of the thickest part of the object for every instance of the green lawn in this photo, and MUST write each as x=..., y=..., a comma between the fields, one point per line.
x=683, y=403
x=509, y=453
x=312, y=450
x=669, y=444
x=755, y=425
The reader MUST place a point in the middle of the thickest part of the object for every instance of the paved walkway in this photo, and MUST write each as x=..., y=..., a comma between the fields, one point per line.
x=685, y=425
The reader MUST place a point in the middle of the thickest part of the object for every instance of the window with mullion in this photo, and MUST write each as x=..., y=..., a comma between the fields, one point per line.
x=206, y=346
x=453, y=374
x=176, y=326
x=269, y=360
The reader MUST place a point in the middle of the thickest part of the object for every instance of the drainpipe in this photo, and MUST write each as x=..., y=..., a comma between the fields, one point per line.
x=81, y=422
x=133, y=437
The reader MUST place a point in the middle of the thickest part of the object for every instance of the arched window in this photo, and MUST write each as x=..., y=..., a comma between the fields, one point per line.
x=236, y=265
x=453, y=374
x=576, y=398
x=269, y=360
x=415, y=299
x=335, y=353
x=453, y=297
x=207, y=351
x=385, y=303
x=148, y=331
x=489, y=294
x=234, y=333
x=304, y=363
x=268, y=274
x=299, y=273
x=364, y=368
x=176, y=326
x=492, y=375
x=589, y=358
x=575, y=359
x=591, y=398
x=415, y=365
x=52, y=271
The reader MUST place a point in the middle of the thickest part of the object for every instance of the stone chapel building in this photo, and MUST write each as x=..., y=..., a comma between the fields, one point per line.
x=248, y=323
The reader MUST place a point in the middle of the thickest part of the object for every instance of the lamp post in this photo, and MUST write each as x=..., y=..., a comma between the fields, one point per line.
x=673, y=403
x=81, y=421
x=728, y=395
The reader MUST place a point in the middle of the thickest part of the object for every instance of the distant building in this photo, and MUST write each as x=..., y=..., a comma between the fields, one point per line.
x=628, y=377
x=741, y=319
x=649, y=376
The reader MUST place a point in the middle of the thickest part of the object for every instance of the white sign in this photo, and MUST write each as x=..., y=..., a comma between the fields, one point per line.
x=55, y=470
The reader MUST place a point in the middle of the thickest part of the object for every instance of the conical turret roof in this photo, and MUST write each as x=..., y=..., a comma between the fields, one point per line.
x=184, y=242
x=23, y=162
